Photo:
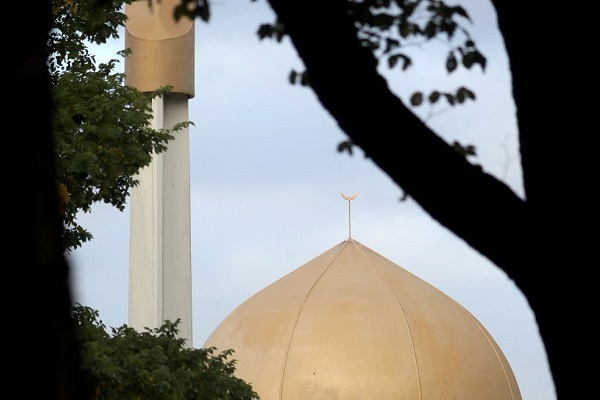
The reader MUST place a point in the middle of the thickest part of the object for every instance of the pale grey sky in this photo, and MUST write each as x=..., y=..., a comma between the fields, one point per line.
x=266, y=182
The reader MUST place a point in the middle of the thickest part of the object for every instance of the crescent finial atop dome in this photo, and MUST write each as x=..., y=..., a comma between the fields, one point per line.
x=349, y=199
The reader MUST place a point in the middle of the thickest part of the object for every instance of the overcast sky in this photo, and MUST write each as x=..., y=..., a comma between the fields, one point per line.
x=266, y=181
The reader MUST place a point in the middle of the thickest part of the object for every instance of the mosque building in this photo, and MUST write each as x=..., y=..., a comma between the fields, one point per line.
x=351, y=324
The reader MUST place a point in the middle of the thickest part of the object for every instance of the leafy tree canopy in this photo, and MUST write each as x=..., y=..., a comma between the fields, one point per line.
x=153, y=365
x=101, y=126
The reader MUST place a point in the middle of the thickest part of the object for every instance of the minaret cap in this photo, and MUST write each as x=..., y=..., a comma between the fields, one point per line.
x=162, y=48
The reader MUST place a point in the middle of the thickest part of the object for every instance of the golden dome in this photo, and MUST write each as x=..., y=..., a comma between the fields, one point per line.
x=351, y=324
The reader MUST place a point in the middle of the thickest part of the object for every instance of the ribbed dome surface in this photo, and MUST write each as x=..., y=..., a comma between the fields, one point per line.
x=351, y=324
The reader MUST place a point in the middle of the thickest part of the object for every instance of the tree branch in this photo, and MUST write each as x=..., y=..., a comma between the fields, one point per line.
x=344, y=76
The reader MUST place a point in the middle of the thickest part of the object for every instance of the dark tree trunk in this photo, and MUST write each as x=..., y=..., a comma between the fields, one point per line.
x=44, y=360
x=533, y=240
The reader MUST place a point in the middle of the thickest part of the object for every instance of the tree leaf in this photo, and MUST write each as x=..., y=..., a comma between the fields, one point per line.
x=434, y=97
x=451, y=62
x=416, y=99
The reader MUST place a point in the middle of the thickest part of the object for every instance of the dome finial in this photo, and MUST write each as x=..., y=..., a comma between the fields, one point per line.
x=349, y=198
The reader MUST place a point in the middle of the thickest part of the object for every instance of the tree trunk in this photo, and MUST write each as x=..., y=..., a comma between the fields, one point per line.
x=45, y=361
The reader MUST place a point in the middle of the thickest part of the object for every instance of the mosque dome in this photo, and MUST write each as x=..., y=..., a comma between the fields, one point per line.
x=351, y=324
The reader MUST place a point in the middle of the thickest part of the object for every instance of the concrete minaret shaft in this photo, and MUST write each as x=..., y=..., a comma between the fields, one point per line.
x=160, y=234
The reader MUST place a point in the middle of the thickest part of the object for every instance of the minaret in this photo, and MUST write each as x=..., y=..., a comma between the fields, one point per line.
x=160, y=234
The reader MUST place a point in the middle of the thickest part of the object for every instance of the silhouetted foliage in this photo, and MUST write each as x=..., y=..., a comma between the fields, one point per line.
x=154, y=364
